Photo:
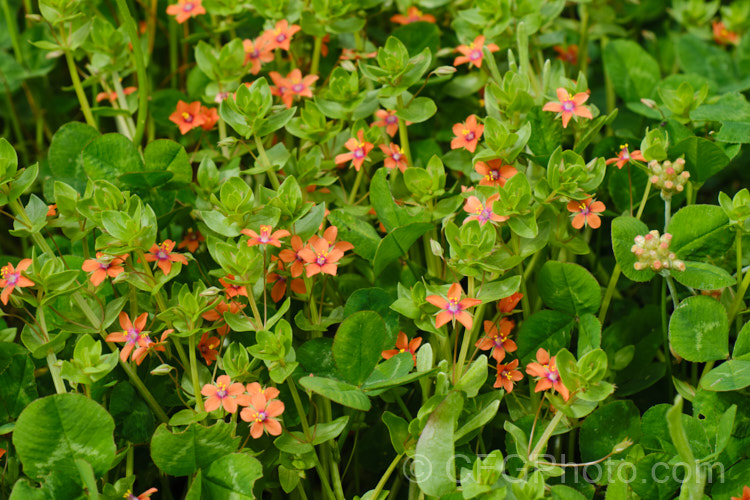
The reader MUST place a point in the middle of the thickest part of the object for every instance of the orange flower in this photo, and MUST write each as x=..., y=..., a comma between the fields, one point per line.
x=112, y=96
x=482, y=213
x=586, y=213
x=324, y=45
x=507, y=376
x=185, y=9
x=549, y=377
x=722, y=35
x=353, y=55
x=210, y=117
x=567, y=54
x=2, y=452
x=294, y=85
x=569, y=106
x=279, y=288
x=494, y=173
x=453, y=308
x=191, y=240
x=472, y=53
x=323, y=254
x=52, y=210
x=222, y=394
x=230, y=288
x=413, y=15
x=217, y=314
x=258, y=52
x=103, y=266
x=497, y=339
x=255, y=388
x=11, y=277
x=467, y=134
x=293, y=256
x=281, y=35
x=265, y=237
x=394, y=157
x=132, y=334
x=403, y=344
x=359, y=150
x=507, y=304
x=207, y=347
x=146, y=345
x=162, y=254
x=262, y=413
x=387, y=119
x=187, y=116
x=625, y=156
x=143, y=496
x=745, y=493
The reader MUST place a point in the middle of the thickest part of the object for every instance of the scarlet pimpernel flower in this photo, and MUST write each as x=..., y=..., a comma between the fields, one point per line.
x=507, y=304
x=257, y=53
x=624, y=156
x=403, y=344
x=722, y=35
x=104, y=266
x=494, y=172
x=507, y=376
x=146, y=346
x=293, y=257
x=185, y=9
x=281, y=35
x=280, y=282
x=143, y=496
x=210, y=117
x=467, y=134
x=217, y=314
x=394, y=157
x=453, y=308
x=294, y=85
x=567, y=54
x=262, y=413
x=207, y=347
x=187, y=116
x=586, y=213
x=569, y=106
x=222, y=394
x=231, y=289
x=497, y=338
x=387, y=119
x=549, y=378
x=482, y=213
x=265, y=237
x=132, y=334
x=323, y=254
x=473, y=53
x=11, y=278
x=164, y=257
x=192, y=240
x=359, y=149
x=413, y=15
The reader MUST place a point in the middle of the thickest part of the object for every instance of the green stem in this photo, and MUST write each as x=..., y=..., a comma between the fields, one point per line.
x=129, y=459
x=386, y=475
x=735, y=307
x=738, y=247
x=542, y=442
x=644, y=199
x=667, y=213
x=672, y=292
x=316, y=55
x=140, y=68
x=402, y=133
x=267, y=163
x=665, y=338
x=357, y=182
x=256, y=312
x=10, y=23
x=583, y=39
x=194, y=373
x=85, y=108
x=469, y=336
x=610, y=291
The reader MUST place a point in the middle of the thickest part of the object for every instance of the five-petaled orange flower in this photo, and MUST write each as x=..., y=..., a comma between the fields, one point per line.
x=482, y=213
x=103, y=266
x=52, y=210
x=294, y=85
x=567, y=54
x=494, y=172
x=549, y=377
x=507, y=376
x=413, y=15
x=279, y=280
x=207, y=347
x=255, y=388
x=281, y=35
x=258, y=52
x=453, y=308
x=507, y=304
x=185, y=9
x=473, y=53
x=129, y=495
x=403, y=344
x=293, y=256
x=359, y=149
x=262, y=412
x=467, y=134
x=625, y=156
x=387, y=119
x=569, y=106
x=586, y=213
x=497, y=339
x=210, y=117
x=132, y=334
x=146, y=345
x=745, y=494
x=394, y=157
x=187, y=116
x=323, y=254
x=266, y=237
x=222, y=394
x=722, y=35
x=217, y=314
x=191, y=240
x=11, y=278
x=231, y=289
x=163, y=256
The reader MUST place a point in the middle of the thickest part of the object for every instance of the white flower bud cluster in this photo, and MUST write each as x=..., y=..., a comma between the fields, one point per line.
x=669, y=177
x=652, y=251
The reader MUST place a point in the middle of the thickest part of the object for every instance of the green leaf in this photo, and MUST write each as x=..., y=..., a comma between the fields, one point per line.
x=389, y=214
x=569, y=288
x=360, y=234
x=231, y=477
x=589, y=334
x=703, y=158
x=17, y=384
x=624, y=231
x=109, y=156
x=337, y=391
x=64, y=155
x=632, y=70
x=490, y=292
x=546, y=133
x=734, y=132
x=703, y=276
x=357, y=346
x=398, y=429
x=547, y=329
x=698, y=330
x=699, y=230
x=473, y=379
x=52, y=432
x=419, y=110
x=378, y=300
x=479, y=419
x=732, y=482
x=417, y=36
x=731, y=375
x=8, y=161
x=183, y=453
x=608, y=426
x=742, y=344
x=329, y=430
x=397, y=243
x=435, y=470
x=164, y=155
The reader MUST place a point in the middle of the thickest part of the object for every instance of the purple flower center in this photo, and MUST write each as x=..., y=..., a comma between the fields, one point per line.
x=321, y=259
x=281, y=37
x=391, y=119
x=262, y=416
x=255, y=54
x=568, y=106
x=475, y=54
x=298, y=87
x=552, y=376
x=358, y=153
x=133, y=335
x=396, y=157
x=453, y=307
x=188, y=7
x=494, y=175
x=470, y=136
x=485, y=215
x=222, y=393
x=12, y=278
x=162, y=255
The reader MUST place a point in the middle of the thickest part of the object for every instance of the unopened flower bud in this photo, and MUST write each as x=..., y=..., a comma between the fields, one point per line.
x=652, y=252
